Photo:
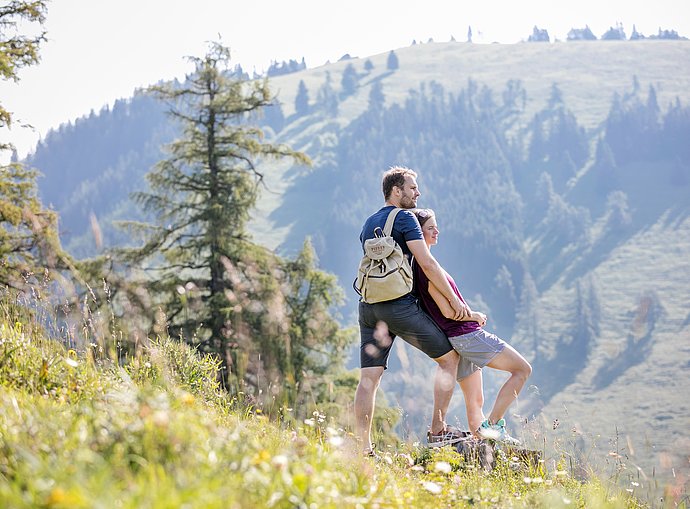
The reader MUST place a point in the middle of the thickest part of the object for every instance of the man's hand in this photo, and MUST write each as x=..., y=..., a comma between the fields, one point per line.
x=460, y=309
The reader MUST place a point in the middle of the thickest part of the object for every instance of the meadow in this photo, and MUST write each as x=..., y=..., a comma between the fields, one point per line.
x=83, y=427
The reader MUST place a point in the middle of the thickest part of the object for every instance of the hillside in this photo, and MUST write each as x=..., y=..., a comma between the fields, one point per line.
x=588, y=75
x=157, y=431
x=574, y=244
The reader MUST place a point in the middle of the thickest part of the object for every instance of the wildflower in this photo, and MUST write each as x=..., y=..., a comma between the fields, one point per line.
x=160, y=418
x=280, y=461
x=309, y=422
x=432, y=487
x=57, y=496
x=336, y=441
x=442, y=467
x=71, y=362
x=187, y=398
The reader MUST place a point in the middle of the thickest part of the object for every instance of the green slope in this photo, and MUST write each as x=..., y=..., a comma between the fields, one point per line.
x=629, y=374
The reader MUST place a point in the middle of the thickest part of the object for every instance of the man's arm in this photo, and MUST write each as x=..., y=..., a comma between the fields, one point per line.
x=447, y=311
x=437, y=276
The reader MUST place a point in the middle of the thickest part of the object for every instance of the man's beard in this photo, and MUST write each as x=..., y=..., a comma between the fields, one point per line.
x=407, y=203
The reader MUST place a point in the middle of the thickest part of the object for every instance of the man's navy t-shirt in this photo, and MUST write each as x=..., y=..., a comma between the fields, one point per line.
x=405, y=228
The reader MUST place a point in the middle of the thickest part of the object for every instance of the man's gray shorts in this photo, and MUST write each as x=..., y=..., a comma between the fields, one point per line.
x=476, y=350
x=380, y=323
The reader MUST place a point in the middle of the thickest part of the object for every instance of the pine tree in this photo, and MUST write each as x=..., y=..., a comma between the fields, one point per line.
x=392, y=63
x=376, y=97
x=302, y=99
x=201, y=198
x=28, y=232
x=16, y=49
x=348, y=82
x=326, y=97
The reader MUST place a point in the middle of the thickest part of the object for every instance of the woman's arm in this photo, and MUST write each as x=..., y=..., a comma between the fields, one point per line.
x=434, y=272
x=444, y=306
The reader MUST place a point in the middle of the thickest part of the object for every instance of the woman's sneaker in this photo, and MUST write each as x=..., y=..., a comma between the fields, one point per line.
x=448, y=436
x=497, y=432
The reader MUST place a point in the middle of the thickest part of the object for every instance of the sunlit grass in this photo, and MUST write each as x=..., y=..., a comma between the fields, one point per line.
x=158, y=431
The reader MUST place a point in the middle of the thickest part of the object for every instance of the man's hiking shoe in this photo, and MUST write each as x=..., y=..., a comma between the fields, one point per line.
x=448, y=436
x=497, y=432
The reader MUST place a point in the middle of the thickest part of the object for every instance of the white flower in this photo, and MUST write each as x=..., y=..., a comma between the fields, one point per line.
x=336, y=441
x=432, y=487
x=279, y=461
x=442, y=467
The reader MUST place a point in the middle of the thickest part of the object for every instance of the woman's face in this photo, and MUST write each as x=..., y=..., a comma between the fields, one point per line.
x=430, y=231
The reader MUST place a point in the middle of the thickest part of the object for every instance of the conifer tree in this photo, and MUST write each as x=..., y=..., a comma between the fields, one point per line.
x=16, y=49
x=28, y=232
x=348, y=82
x=392, y=63
x=377, y=98
x=200, y=197
x=302, y=99
x=326, y=97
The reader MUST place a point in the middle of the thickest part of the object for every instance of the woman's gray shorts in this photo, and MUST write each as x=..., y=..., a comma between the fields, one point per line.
x=476, y=350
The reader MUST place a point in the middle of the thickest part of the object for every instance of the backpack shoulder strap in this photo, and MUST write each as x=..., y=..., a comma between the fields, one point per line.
x=388, y=228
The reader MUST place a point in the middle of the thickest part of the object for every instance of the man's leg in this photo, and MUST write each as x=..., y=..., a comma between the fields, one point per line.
x=473, y=391
x=444, y=384
x=509, y=360
x=365, y=399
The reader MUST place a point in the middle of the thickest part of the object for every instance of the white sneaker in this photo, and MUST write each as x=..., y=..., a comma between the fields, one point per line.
x=497, y=432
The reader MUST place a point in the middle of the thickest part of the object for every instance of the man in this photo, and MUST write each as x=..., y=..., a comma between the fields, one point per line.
x=381, y=322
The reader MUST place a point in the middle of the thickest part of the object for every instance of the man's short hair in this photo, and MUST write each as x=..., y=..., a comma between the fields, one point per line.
x=395, y=176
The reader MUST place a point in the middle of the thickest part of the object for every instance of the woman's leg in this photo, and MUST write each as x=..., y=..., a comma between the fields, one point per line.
x=509, y=360
x=473, y=391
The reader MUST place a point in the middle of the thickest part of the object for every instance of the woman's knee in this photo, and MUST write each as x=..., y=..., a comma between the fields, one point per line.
x=523, y=370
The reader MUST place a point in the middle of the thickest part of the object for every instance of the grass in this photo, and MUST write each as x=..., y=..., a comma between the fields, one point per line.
x=158, y=432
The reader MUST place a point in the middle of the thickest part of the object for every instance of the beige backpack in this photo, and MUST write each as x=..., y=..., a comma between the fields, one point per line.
x=384, y=272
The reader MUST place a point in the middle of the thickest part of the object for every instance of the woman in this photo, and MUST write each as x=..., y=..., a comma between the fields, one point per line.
x=476, y=347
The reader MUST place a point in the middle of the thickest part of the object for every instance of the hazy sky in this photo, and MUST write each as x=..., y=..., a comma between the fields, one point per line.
x=101, y=50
